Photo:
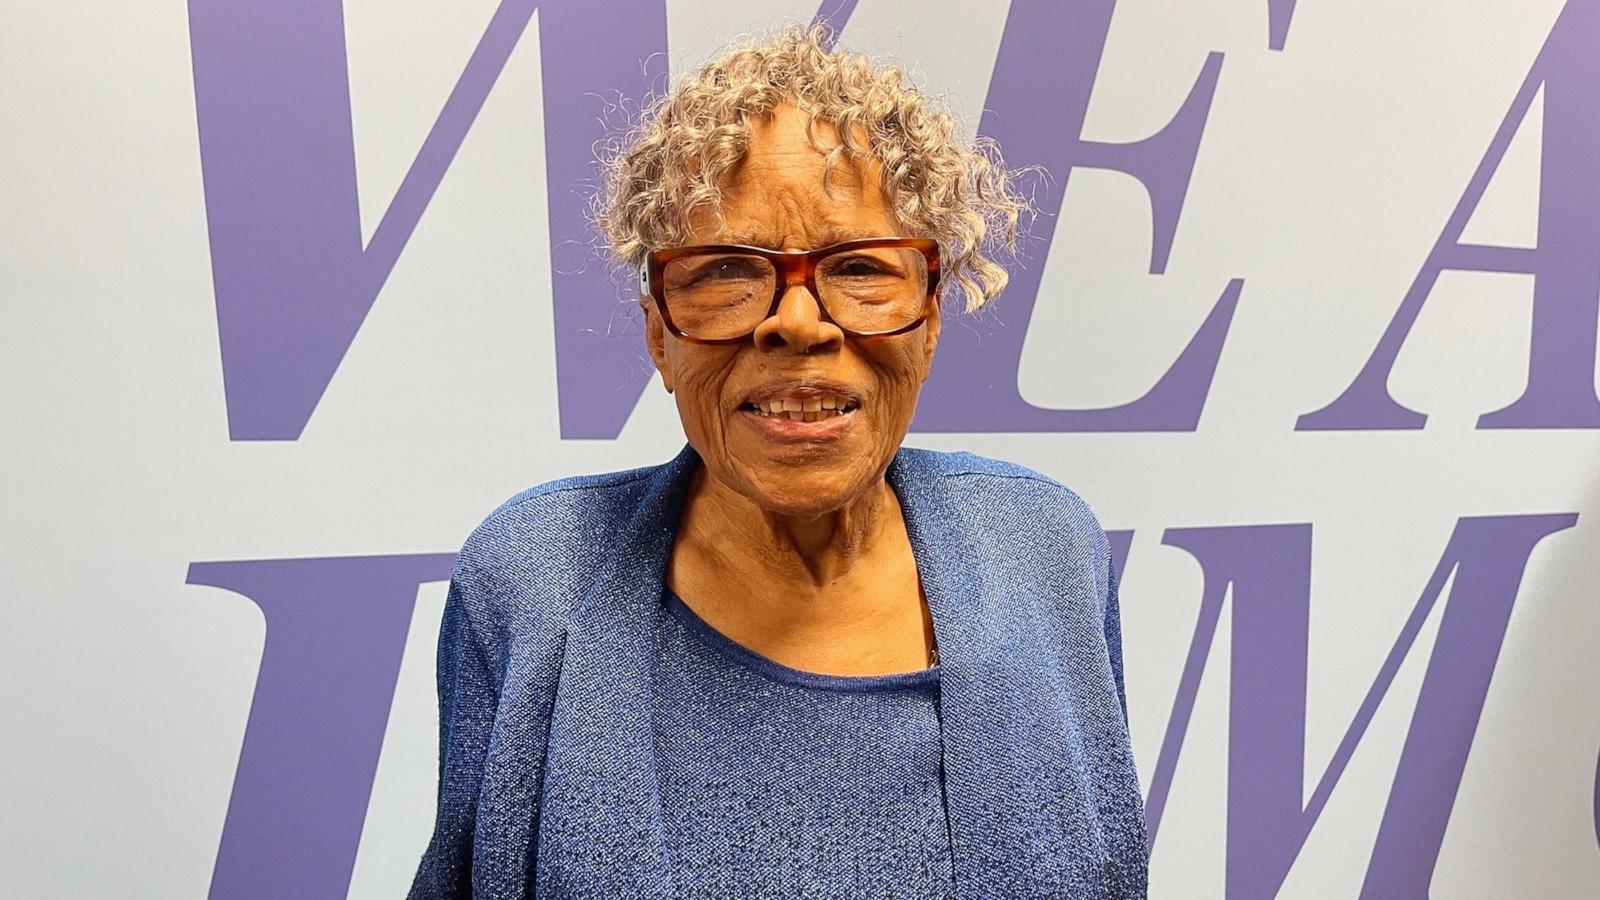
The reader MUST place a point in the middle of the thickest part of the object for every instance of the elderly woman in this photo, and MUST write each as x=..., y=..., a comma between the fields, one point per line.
x=798, y=659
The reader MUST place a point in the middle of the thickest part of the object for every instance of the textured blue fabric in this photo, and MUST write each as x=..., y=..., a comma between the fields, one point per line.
x=781, y=783
x=548, y=782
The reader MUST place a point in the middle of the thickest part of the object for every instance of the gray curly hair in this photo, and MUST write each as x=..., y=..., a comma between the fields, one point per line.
x=938, y=183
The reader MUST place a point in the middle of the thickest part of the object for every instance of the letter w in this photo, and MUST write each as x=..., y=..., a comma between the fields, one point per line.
x=293, y=282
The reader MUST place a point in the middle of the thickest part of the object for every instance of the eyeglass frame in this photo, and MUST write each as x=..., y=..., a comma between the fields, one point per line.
x=792, y=267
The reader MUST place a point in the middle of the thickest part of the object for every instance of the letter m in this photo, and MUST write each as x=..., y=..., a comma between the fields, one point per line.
x=1268, y=820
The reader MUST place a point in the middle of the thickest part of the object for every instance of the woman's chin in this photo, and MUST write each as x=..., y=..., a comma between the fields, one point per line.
x=803, y=494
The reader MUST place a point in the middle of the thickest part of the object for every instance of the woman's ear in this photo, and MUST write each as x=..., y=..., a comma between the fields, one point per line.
x=931, y=331
x=655, y=340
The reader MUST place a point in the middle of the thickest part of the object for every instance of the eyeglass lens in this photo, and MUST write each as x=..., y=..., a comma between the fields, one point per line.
x=725, y=295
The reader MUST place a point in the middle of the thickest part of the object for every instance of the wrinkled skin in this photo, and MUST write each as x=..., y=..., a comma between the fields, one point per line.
x=797, y=550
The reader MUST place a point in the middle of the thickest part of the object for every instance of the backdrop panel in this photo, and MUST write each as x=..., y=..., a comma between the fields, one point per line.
x=296, y=293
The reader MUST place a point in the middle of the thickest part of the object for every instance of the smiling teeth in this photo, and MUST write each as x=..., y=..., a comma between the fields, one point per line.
x=804, y=411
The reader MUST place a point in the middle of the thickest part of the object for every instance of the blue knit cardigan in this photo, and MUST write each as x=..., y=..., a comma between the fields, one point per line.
x=547, y=782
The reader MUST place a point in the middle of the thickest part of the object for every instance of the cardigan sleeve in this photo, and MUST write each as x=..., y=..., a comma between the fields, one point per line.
x=468, y=697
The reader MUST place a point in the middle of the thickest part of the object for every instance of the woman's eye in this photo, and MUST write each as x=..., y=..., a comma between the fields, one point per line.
x=730, y=268
x=858, y=266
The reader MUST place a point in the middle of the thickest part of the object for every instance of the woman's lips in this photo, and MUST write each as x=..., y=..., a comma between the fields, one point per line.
x=780, y=427
x=804, y=393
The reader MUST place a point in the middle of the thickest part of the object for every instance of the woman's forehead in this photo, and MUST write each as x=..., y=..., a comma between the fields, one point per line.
x=778, y=154
x=783, y=192
x=777, y=224
x=820, y=235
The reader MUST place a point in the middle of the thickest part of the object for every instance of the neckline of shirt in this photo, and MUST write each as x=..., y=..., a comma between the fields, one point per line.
x=779, y=672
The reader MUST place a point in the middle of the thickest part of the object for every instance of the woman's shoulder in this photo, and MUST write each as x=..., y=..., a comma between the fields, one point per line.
x=561, y=510
x=1002, y=484
x=568, y=491
x=536, y=550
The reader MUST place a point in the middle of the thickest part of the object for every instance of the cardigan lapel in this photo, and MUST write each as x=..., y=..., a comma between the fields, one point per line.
x=1013, y=757
x=1010, y=756
x=600, y=829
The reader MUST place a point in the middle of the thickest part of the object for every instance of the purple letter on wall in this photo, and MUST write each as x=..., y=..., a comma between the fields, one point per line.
x=293, y=282
x=1052, y=50
x=336, y=631
x=1269, y=567
x=1566, y=286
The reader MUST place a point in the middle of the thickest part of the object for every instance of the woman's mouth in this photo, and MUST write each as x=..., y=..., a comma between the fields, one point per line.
x=810, y=419
x=808, y=410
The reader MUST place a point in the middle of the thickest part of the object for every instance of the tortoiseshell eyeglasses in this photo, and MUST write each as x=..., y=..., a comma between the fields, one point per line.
x=719, y=293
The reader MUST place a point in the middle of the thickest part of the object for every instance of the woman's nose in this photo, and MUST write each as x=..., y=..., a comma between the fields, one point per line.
x=798, y=325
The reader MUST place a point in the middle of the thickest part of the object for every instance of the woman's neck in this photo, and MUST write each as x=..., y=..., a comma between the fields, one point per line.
x=738, y=536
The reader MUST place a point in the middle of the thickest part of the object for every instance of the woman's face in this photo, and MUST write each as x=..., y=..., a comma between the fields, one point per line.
x=775, y=198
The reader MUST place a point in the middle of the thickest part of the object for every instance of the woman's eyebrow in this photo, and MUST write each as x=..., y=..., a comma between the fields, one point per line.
x=830, y=235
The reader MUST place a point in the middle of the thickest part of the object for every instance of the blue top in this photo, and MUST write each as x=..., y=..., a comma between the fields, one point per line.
x=777, y=782
x=550, y=783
